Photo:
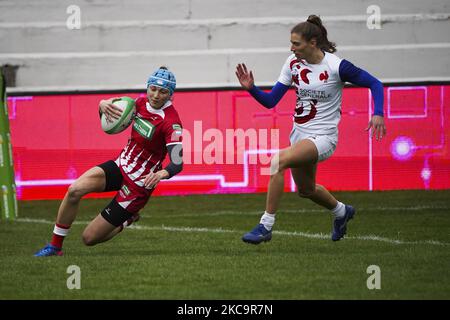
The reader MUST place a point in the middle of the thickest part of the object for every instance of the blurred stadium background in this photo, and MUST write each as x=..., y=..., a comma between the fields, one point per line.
x=56, y=76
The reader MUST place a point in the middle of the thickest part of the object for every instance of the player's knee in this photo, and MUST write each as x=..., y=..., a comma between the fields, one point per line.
x=75, y=192
x=306, y=192
x=89, y=239
x=277, y=164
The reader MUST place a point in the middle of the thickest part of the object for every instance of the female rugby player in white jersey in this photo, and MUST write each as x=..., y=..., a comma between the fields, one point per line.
x=318, y=76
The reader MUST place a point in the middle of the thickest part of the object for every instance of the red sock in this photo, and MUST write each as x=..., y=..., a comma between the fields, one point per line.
x=59, y=233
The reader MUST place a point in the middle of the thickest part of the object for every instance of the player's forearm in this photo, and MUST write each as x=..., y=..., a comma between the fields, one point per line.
x=377, y=91
x=173, y=169
x=164, y=174
x=269, y=100
x=175, y=152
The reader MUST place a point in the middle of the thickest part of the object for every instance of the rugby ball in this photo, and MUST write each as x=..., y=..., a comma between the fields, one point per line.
x=113, y=126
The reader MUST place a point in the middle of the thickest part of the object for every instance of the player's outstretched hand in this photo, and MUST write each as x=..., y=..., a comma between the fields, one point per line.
x=109, y=109
x=378, y=127
x=244, y=76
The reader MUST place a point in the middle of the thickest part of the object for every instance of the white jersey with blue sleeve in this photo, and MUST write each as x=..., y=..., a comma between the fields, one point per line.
x=319, y=93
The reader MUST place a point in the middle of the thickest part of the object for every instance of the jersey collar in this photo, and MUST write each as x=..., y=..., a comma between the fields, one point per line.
x=159, y=112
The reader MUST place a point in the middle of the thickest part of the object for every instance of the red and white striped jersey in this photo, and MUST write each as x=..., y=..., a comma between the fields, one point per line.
x=153, y=130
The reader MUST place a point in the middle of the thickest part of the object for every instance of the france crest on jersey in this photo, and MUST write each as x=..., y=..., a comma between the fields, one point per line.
x=319, y=93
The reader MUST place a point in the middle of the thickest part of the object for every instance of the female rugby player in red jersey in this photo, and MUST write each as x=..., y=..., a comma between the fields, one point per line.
x=156, y=131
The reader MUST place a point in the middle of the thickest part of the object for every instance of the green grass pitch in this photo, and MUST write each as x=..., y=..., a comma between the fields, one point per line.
x=190, y=248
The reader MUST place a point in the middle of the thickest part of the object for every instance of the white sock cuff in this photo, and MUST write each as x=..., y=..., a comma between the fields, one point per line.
x=338, y=206
x=268, y=216
x=339, y=211
x=60, y=231
x=267, y=220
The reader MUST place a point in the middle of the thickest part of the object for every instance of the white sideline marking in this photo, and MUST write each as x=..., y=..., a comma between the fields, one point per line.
x=252, y=213
x=321, y=236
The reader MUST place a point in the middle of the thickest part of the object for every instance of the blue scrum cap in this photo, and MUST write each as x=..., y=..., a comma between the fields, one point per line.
x=163, y=78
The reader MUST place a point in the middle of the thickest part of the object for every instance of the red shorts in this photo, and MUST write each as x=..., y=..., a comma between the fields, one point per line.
x=130, y=196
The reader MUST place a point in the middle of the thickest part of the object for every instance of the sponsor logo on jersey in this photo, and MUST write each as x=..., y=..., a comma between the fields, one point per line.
x=177, y=129
x=125, y=190
x=144, y=128
x=313, y=94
